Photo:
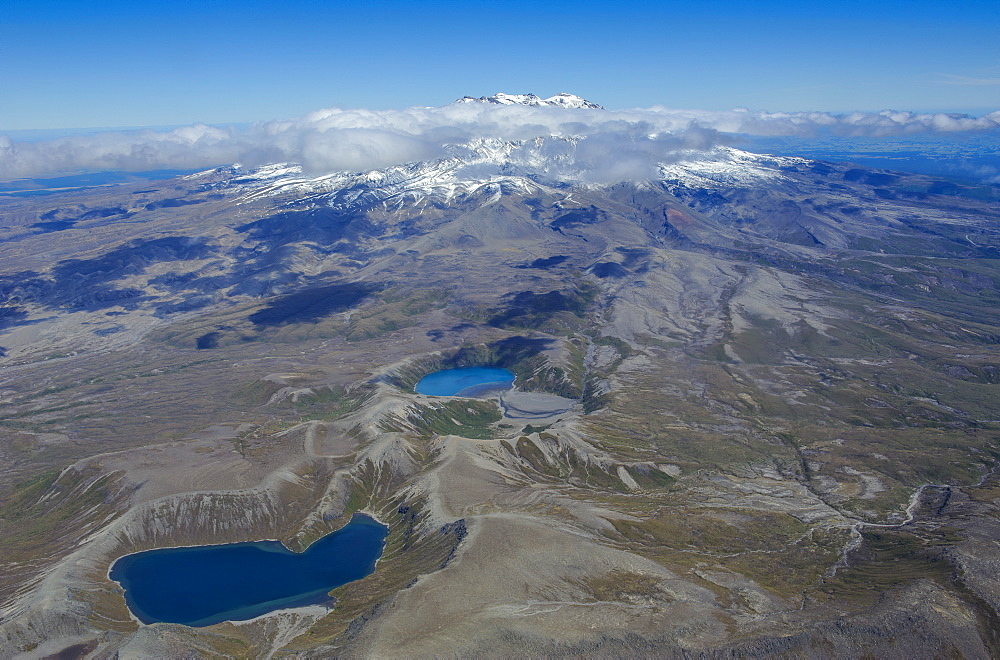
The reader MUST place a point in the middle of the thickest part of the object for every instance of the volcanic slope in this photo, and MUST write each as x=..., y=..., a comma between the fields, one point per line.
x=769, y=422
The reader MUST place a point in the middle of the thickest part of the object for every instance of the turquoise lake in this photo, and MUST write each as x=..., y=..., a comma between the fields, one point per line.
x=207, y=584
x=469, y=381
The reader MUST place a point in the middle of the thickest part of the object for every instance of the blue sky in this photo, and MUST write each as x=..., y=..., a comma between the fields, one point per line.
x=113, y=63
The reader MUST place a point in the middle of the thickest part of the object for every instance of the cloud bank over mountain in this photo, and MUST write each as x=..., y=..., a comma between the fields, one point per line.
x=357, y=140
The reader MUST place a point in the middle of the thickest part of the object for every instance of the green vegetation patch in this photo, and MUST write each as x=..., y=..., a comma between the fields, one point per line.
x=789, y=570
x=715, y=531
x=467, y=418
x=49, y=513
x=752, y=543
x=888, y=559
x=623, y=586
x=568, y=466
x=331, y=402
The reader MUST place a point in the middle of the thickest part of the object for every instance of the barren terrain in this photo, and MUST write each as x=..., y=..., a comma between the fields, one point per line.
x=752, y=415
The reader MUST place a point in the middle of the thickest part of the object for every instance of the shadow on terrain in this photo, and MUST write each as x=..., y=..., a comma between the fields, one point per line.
x=531, y=310
x=310, y=305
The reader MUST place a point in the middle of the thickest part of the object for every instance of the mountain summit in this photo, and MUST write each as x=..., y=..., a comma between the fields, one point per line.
x=562, y=100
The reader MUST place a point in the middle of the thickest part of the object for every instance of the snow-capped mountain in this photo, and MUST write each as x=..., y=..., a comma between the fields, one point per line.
x=520, y=163
x=561, y=100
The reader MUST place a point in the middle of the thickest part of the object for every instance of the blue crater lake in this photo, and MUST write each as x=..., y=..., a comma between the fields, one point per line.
x=469, y=381
x=207, y=584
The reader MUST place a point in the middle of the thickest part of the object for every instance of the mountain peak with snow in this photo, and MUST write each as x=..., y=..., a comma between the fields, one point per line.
x=561, y=100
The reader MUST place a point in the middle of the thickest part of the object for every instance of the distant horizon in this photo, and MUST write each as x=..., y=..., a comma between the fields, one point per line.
x=70, y=65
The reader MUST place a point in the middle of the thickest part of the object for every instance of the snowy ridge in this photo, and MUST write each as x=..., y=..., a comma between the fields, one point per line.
x=515, y=165
x=482, y=163
x=725, y=165
x=467, y=168
x=561, y=100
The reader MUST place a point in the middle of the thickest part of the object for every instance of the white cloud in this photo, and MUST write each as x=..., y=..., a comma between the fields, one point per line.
x=355, y=140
